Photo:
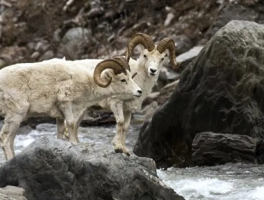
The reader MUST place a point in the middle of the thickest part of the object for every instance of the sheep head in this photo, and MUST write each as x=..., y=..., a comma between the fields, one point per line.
x=117, y=73
x=113, y=63
x=152, y=57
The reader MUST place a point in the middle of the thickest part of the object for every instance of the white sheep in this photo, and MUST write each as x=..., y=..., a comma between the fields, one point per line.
x=60, y=89
x=147, y=67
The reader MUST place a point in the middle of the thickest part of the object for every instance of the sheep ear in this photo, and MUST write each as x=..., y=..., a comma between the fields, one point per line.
x=167, y=53
x=141, y=47
x=108, y=74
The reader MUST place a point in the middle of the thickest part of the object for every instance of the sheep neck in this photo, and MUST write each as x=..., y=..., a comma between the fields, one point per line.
x=100, y=93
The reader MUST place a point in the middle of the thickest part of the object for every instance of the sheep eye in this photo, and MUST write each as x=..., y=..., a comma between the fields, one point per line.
x=123, y=80
x=162, y=59
x=145, y=56
x=166, y=55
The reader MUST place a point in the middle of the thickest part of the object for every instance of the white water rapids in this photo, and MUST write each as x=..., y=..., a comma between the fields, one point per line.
x=225, y=182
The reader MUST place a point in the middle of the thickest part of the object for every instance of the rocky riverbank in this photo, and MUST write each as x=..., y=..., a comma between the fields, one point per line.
x=219, y=95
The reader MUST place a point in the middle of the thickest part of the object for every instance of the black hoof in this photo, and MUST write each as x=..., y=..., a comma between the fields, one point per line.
x=121, y=151
x=118, y=150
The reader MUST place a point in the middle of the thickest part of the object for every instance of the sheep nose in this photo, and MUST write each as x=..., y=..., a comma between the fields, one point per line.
x=153, y=70
x=139, y=91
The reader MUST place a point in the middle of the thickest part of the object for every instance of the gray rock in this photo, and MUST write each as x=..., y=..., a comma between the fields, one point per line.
x=96, y=9
x=47, y=55
x=168, y=75
x=12, y=193
x=183, y=43
x=185, y=58
x=54, y=169
x=141, y=116
x=233, y=11
x=2, y=63
x=169, y=18
x=77, y=34
x=42, y=46
x=35, y=55
x=75, y=42
x=162, y=96
x=216, y=148
x=220, y=91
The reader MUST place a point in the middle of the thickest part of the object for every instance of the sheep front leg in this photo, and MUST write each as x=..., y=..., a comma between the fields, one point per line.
x=71, y=116
x=127, y=120
x=78, y=117
x=117, y=109
x=8, y=133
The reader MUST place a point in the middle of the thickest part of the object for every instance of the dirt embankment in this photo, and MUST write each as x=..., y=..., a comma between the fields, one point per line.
x=37, y=30
x=33, y=30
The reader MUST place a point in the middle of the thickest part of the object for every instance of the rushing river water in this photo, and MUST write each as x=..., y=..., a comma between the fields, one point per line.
x=226, y=182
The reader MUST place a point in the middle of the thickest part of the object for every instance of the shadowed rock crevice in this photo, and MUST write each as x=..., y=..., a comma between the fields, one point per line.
x=220, y=91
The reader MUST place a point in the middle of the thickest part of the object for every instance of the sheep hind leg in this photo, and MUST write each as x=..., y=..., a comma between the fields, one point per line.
x=74, y=125
x=79, y=120
x=8, y=133
x=71, y=121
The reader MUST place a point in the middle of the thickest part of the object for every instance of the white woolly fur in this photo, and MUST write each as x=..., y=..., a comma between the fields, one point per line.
x=57, y=88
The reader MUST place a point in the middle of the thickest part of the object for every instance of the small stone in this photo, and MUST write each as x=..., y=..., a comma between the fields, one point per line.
x=47, y=55
x=77, y=33
x=2, y=63
x=35, y=55
x=169, y=18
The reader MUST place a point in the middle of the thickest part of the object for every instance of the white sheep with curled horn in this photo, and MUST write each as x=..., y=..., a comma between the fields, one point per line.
x=147, y=67
x=60, y=89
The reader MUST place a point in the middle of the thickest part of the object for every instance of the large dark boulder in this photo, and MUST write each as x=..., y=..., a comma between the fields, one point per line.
x=57, y=170
x=222, y=91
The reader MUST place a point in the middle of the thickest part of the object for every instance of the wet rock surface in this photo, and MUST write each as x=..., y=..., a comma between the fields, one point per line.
x=220, y=91
x=215, y=149
x=55, y=169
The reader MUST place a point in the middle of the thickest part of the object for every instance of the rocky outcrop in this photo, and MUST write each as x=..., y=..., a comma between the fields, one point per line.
x=221, y=91
x=215, y=148
x=55, y=169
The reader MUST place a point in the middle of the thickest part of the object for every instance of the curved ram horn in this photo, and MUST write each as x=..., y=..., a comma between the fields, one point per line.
x=111, y=63
x=122, y=61
x=167, y=43
x=139, y=38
